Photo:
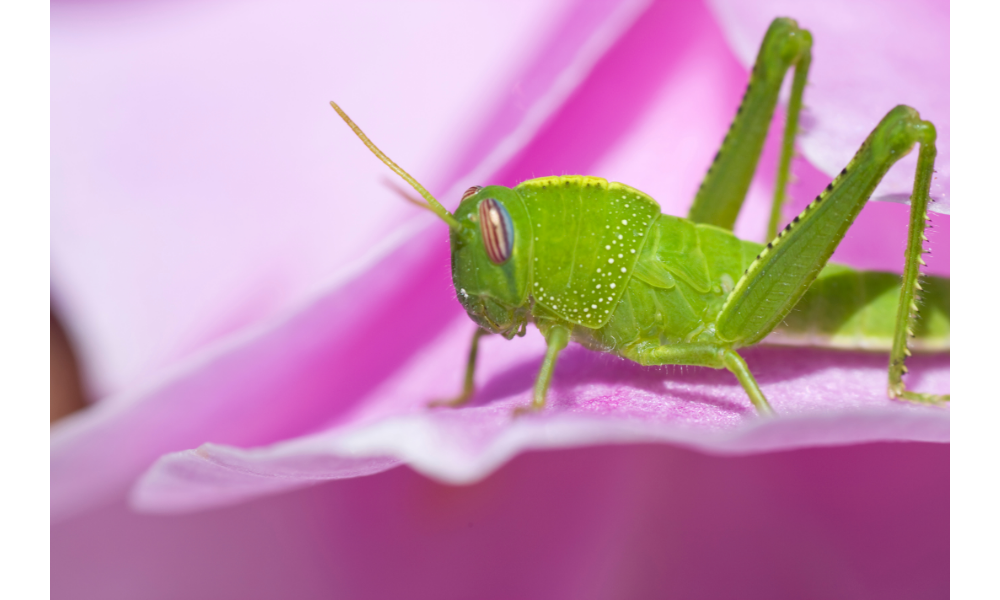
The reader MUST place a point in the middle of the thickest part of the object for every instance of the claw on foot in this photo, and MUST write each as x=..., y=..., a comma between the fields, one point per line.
x=530, y=409
x=932, y=399
x=456, y=402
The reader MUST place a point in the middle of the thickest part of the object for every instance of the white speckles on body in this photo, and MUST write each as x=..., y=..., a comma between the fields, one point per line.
x=727, y=283
x=616, y=248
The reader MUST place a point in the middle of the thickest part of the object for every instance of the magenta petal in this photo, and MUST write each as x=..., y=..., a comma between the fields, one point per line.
x=823, y=397
x=638, y=521
x=868, y=56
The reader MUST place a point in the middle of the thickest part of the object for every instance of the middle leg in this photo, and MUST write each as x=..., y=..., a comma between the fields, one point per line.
x=707, y=355
x=556, y=339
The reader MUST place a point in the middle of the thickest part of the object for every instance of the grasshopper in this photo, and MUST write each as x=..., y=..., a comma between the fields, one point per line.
x=598, y=263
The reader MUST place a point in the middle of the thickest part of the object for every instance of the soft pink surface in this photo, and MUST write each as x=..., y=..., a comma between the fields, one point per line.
x=824, y=398
x=638, y=521
x=260, y=312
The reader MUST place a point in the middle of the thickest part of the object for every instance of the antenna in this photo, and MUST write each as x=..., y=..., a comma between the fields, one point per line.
x=432, y=204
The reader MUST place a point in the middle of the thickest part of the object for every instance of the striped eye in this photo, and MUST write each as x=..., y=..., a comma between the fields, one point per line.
x=498, y=231
x=472, y=191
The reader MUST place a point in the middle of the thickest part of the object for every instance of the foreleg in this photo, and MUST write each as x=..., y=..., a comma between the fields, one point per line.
x=468, y=387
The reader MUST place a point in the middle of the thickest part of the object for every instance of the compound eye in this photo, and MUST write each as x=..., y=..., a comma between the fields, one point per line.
x=472, y=191
x=498, y=231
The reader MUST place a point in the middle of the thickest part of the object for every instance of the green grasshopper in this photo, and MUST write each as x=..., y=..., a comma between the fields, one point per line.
x=598, y=262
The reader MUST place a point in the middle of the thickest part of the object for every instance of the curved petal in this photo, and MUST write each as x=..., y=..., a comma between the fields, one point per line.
x=642, y=521
x=823, y=398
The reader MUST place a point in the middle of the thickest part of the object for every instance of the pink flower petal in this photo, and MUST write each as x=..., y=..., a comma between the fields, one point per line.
x=200, y=180
x=638, y=521
x=292, y=370
x=337, y=387
x=283, y=378
x=823, y=397
x=868, y=56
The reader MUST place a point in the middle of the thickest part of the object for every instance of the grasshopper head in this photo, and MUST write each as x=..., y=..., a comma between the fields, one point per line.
x=490, y=247
x=491, y=258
